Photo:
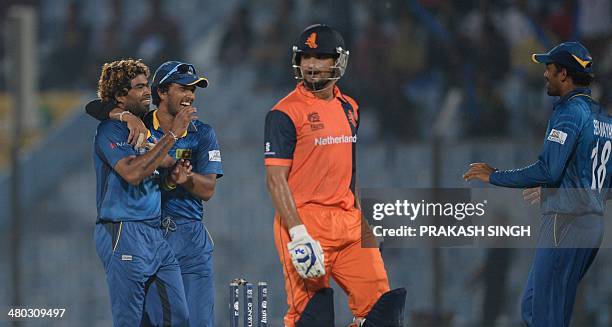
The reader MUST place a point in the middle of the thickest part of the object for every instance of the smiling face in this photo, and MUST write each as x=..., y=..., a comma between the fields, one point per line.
x=178, y=97
x=138, y=98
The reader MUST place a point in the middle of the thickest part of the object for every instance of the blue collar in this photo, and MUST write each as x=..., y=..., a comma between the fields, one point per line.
x=573, y=93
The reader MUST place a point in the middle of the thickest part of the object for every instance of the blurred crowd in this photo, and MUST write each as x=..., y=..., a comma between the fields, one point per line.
x=406, y=55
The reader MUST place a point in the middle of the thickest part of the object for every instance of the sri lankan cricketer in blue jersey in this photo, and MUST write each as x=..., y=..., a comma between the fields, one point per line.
x=128, y=240
x=173, y=90
x=573, y=173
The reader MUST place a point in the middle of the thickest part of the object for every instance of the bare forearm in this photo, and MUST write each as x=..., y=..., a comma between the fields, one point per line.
x=146, y=164
x=283, y=202
x=201, y=186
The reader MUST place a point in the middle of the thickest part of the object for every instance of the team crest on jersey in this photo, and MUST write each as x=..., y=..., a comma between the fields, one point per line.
x=315, y=121
x=351, y=117
x=557, y=136
x=183, y=154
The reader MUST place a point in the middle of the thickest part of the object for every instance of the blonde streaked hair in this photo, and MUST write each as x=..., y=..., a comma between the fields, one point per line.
x=116, y=76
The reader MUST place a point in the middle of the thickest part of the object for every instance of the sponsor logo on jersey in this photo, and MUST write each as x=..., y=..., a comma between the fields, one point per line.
x=214, y=155
x=119, y=144
x=126, y=257
x=557, y=136
x=268, y=151
x=335, y=140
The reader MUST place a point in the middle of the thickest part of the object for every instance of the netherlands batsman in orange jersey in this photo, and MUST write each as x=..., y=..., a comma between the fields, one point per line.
x=310, y=140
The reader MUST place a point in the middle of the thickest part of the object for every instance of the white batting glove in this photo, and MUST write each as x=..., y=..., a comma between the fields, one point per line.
x=306, y=253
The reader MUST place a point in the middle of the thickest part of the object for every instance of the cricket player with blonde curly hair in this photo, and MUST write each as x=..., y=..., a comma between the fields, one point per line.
x=128, y=239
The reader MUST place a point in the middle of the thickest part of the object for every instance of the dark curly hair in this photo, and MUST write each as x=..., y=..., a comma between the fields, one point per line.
x=116, y=76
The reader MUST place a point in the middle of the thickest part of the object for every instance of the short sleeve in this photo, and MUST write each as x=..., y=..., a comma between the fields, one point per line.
x=280, y=139
x=209, y=154
x=111, y=142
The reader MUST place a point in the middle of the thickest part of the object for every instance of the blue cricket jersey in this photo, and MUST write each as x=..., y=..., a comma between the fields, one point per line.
x=199, y=145
x=573, y=166
x=116, y=199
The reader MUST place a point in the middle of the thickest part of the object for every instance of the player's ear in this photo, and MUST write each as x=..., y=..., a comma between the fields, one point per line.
x=163, y=94
x=563, y=73
x=120, y=96
x=120, y=99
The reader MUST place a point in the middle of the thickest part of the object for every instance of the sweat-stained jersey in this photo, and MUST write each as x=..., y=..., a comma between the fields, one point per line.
x=317, y=139
x=573, y=167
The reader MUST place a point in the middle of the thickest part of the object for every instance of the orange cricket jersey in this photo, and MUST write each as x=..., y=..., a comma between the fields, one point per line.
x=317, y=139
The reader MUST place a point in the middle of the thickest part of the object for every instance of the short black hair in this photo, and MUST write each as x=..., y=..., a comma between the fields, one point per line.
x=579, y=78
x=163, y=89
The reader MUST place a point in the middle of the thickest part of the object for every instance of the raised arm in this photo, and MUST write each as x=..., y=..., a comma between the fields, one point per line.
x=112, y=110
x=135, y=169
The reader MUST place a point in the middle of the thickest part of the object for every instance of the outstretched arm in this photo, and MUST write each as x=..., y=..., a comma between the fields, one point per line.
x=565, y=126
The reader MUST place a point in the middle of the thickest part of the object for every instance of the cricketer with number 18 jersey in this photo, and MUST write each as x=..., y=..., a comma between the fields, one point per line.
x=574, y=164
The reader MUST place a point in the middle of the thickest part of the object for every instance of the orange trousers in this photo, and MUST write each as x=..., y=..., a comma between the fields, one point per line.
x=359, y=271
